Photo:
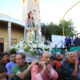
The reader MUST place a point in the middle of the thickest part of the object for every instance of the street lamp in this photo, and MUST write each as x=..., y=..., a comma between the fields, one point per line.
x=67, y=12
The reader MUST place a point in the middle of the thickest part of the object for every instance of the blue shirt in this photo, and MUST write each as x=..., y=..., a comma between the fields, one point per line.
x=9, y=67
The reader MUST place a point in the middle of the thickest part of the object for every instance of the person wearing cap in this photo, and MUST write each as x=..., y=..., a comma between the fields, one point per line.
x=59, y=58
x=57, y=63
x=69, y=67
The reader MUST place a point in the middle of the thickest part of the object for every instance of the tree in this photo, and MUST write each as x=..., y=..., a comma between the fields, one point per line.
x=49, y=29
x=68, y=27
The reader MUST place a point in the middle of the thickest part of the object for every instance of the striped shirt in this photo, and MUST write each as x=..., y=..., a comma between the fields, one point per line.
x=66, y=71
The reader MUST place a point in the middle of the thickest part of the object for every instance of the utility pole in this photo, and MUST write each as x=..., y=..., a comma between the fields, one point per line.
x=66, y=13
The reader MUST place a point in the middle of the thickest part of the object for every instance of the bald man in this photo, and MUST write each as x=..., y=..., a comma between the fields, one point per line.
x=43, y=70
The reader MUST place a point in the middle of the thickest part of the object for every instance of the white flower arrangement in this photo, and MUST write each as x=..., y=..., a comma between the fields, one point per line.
x=30, y=46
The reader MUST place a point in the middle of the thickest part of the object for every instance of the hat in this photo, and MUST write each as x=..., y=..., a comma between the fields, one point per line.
x=58, y=54
x=52, y=57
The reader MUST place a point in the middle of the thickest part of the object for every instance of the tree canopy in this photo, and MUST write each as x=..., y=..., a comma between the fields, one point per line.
x=57, y=29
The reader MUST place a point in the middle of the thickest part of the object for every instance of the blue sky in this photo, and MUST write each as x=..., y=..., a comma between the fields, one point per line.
x=51, y=10
x=12, y=8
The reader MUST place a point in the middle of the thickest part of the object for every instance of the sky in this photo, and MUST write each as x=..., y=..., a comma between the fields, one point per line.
x=50, y=10
x=54, y=10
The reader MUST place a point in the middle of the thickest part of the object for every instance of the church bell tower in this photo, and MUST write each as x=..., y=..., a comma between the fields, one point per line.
x=34, y=7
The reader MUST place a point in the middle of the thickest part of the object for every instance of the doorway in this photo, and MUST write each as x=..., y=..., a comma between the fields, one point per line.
x=1, y=47
x=1, y=44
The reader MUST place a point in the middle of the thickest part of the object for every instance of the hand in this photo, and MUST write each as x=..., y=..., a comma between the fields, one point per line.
x=0, y=75
x=33, y=63
x=76, y=61
x=42, y=64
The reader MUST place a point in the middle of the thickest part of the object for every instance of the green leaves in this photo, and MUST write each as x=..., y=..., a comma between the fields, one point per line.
x=57, y=29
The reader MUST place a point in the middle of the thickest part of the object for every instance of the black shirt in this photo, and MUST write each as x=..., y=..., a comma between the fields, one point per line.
x=2, y=69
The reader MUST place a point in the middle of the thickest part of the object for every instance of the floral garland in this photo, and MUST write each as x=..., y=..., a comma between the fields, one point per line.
x=30, y=46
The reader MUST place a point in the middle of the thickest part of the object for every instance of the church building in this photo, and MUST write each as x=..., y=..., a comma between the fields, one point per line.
x=13, y=30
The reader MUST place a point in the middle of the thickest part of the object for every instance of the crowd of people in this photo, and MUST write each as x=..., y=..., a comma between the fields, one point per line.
x=47, y=67
x=70, y=41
